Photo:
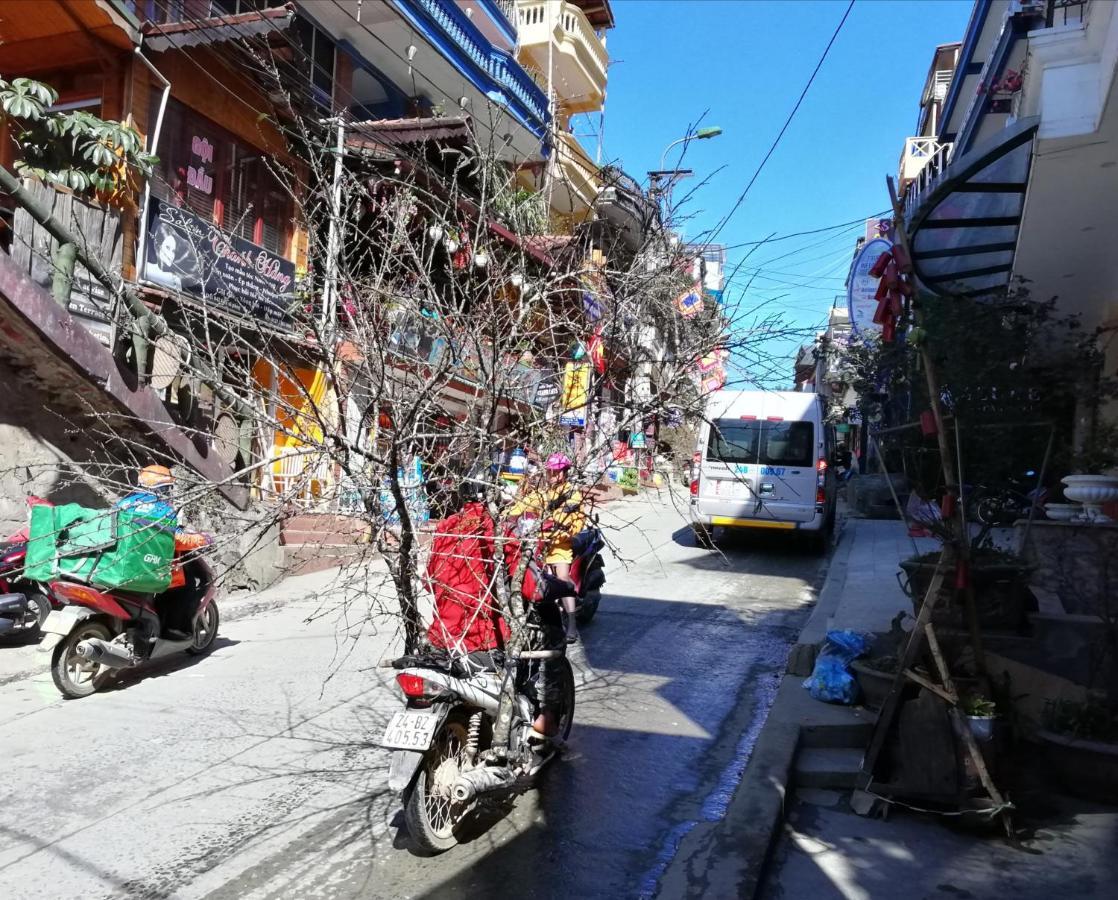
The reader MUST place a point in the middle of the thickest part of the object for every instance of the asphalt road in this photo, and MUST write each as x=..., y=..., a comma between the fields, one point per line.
x=252, y=773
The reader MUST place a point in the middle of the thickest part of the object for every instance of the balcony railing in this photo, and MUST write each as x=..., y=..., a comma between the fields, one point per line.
x=918, y=152
x=581, y=59
x=1065, y=12
x=933, y=162
x=496, y=63
x=578, y=173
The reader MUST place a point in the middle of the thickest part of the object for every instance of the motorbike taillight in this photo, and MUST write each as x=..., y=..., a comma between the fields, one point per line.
x=413, y=686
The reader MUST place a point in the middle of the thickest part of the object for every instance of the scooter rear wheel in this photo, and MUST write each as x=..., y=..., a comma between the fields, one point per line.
x=74, y=676
x=432, y=815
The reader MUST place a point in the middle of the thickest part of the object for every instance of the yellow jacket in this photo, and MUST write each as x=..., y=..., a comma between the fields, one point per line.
x=561, y=505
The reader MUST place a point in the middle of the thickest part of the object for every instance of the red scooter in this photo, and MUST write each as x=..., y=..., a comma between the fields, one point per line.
x=24, y=605
x=96, y=633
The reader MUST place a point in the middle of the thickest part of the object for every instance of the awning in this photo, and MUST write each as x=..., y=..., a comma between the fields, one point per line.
x=963, y=225
x=216, y=30
x=395, y=133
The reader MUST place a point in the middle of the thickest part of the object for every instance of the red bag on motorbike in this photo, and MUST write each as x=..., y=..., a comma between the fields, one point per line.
x=459, y=576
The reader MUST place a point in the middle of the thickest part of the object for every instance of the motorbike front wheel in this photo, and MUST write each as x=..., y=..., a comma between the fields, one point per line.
x=205, y=631
x=431, y=812
x=74, y=676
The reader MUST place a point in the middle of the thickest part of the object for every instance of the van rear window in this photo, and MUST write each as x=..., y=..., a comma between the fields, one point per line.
x=765, y=443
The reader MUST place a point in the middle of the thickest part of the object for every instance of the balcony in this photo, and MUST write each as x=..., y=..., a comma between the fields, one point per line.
x=918, y=152
x=579, y=56
x=577, y=183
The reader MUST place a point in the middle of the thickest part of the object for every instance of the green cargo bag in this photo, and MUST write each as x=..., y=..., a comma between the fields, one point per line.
x=113, y=549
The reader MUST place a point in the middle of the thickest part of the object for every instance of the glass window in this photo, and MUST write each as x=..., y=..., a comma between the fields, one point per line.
x=205, y=169
x=733, y=441
x=787, y=444
x=765, y=443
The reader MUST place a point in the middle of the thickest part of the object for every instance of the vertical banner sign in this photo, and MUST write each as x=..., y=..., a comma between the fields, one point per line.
x=862, y=291
x=186, y=253
x=576, y=394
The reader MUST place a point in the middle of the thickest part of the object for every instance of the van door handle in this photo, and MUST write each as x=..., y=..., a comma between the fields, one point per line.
x=766, y=487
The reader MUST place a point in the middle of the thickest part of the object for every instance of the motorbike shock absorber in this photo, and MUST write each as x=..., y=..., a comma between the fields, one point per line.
x=474, y=735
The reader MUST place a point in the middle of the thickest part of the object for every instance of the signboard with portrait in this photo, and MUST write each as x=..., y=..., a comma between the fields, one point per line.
x=186, y=253
x=860, y=295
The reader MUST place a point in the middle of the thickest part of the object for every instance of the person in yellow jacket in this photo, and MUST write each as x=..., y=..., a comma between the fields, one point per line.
x=560, y=506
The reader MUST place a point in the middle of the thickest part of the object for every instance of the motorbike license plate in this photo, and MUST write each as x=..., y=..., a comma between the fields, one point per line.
x=409, y=730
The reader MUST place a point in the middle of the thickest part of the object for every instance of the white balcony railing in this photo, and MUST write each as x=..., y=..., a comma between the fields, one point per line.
x=931, y=170
x=581, y=58
x=918, y=152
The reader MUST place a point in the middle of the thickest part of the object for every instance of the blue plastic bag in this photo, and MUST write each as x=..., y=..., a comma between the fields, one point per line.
x=830, y=680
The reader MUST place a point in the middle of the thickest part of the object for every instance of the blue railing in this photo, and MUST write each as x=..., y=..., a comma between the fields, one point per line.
x=495, y=72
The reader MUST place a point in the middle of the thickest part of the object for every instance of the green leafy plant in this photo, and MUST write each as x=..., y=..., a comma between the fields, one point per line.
x=1089, y=720
x=979, y=707
x=75, y=149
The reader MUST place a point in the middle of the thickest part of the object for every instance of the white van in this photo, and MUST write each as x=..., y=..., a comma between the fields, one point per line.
x=763, y=461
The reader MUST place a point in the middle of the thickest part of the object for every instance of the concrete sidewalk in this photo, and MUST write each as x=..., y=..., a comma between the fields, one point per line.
x=819, y=847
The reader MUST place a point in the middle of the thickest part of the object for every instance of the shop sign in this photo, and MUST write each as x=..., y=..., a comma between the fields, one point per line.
x=547, y=390
x=576, y=394
x=188, y=254
x=637, y=440
x=861, y=295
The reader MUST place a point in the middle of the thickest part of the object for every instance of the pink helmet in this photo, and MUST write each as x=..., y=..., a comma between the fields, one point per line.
x=558, y=462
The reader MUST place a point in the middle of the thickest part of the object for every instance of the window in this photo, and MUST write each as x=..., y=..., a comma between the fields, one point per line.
x=787, y=444
x=733, y=441
x=225, y=181
x=317, y=63
x=766, y=443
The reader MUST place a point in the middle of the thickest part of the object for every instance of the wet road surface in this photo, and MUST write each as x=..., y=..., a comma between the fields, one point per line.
x=251, y=773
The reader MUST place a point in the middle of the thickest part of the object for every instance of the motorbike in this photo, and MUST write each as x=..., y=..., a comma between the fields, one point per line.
x=588, y=571
x=1002, y=506
x=97, y=634
x=24, y=605
x=447, y=761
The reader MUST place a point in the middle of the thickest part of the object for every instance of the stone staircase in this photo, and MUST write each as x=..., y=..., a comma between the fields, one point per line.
x=313, y=542
x=832, y=742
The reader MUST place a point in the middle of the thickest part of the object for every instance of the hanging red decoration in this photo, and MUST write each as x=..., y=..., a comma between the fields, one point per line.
x=596, y=350
x=892, y=268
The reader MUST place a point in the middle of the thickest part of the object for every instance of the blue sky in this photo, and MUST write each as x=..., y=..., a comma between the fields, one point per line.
x=744, y=63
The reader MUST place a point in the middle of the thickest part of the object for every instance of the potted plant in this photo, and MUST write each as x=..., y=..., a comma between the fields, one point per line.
x=1088, y=485
x=1080, y=742
x=875, y=676
x=980, y=714
x=1000, y=580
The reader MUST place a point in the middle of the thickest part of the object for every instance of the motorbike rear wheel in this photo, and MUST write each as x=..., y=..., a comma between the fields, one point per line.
x=39, y=604
x=432, y=815
x=74, y=676
x=588, y=607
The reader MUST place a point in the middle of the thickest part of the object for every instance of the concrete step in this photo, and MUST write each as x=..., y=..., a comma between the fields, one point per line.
x=302, y=559
x=835, y=768
x=327, y=521
x=853, y=734
x=295, y=538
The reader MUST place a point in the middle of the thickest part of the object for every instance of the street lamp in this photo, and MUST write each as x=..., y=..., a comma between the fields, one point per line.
x=703, y=134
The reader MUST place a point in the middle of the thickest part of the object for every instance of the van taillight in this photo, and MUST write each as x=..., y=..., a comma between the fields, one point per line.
x=821, y=481
x=821, y=465
x=412, y=685
x=695, y=488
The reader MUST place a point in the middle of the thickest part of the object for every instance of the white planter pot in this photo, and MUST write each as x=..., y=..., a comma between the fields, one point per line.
x=1092, y=491
x=1062, y=512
